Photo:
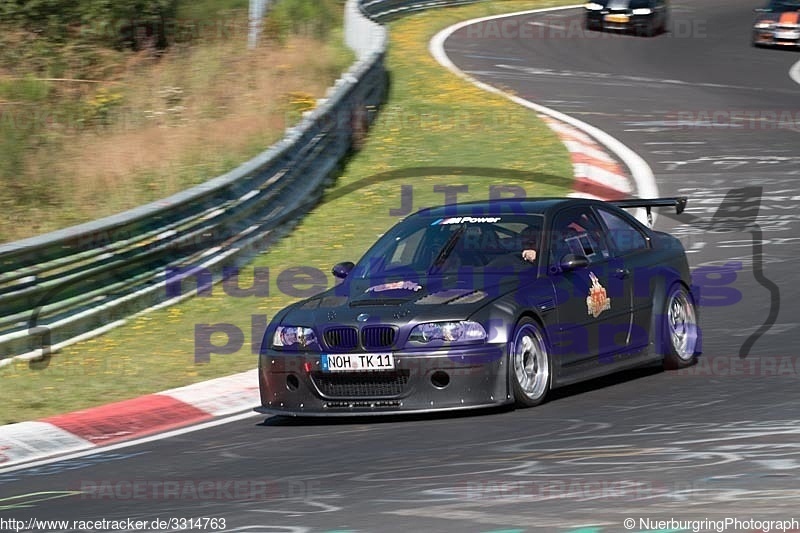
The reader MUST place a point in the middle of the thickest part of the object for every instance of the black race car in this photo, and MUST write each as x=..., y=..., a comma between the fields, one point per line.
x=641, y=17
x=778, y=24
x=486, y=303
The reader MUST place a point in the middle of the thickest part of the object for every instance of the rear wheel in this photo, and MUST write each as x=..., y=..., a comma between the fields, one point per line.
x=530, y=364
x=679, y=328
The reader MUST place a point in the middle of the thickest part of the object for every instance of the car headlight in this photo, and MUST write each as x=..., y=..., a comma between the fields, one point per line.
x=593, y=6
x=765, y=25
x=642, y=11
x=452, y=332
x=293, y=337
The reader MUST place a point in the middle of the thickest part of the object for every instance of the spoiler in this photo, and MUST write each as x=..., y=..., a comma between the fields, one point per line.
x=678, y=202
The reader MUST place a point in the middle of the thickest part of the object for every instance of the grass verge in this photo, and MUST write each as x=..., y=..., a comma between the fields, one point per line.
x=432, y=119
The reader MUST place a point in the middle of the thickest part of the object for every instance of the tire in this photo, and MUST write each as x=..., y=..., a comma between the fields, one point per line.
x=530, y=364
x=679, y=329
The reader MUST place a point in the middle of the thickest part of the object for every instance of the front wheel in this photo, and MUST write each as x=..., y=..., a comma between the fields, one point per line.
x=530, y=364
x=679, y=328
x=650, y=30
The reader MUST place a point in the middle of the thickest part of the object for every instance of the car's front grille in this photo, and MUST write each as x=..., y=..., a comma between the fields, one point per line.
x=372, y=337
x=377, y=337
x=361, y=384
x=341, y=338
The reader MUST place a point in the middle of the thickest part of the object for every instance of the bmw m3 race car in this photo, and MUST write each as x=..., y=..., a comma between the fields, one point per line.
x=778, y=24
x=485, y=303
x=642, y=17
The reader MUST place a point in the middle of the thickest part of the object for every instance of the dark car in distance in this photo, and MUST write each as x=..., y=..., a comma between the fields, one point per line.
x=640, y=17
x=778, y=24
x=482, y=304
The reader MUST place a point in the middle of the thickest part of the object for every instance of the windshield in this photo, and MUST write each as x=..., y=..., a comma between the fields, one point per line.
x=624, y=4
x=445, y=245
x=784, y=5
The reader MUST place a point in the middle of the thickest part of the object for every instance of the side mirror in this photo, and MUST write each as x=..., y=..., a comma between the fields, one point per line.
x=341, y=270
x=573, y=262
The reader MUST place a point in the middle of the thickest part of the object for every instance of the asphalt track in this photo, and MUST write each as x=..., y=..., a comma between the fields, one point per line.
x=713, y=442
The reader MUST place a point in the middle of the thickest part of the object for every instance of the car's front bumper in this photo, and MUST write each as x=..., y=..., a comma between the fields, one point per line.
x=777, y=37
x=474, y=376
x=633, y=23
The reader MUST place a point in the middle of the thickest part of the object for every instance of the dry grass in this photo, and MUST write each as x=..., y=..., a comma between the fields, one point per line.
x=182, y=119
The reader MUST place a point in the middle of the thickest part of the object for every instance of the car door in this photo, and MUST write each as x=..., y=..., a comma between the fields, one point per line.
x=593, y=300
x=630, y=249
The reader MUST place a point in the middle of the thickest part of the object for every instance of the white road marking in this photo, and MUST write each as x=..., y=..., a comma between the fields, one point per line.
x=794, y=72
x=675, y=142
x=617, y=78
x=640, y=170
x=478, y=56
x=546, y=25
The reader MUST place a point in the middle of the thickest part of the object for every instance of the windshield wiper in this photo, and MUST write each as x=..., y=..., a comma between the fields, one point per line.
x=447, y=249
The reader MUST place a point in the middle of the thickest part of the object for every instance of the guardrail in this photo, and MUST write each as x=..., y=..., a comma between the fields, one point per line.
x=386, y=10
x=59, y=288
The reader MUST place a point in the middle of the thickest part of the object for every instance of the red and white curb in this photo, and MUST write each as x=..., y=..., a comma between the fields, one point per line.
x=597, y=174
x=128, y=419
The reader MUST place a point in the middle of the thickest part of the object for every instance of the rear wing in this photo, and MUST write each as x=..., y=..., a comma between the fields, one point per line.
x=678, y=202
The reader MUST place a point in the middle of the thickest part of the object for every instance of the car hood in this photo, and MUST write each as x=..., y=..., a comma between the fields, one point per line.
x=618, y=4
x=786, y=17
x=403, y=301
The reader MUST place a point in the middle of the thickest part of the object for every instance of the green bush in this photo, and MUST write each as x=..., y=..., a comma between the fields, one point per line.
x=50, y=18
x=121, y=23
x=134, y=24
x=303, y=17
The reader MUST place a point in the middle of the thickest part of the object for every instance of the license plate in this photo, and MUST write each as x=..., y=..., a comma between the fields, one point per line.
x=619, y=19
x=354, y=362
x=792, y=35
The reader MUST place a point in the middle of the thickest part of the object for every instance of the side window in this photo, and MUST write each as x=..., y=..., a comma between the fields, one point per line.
x=625, y=237
x=577, y=231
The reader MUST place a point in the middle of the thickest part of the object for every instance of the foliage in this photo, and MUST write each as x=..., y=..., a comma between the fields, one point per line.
x=50, y=18
x=102, y=104
x=315, y=19
x=135, y=24
x=123, y=23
